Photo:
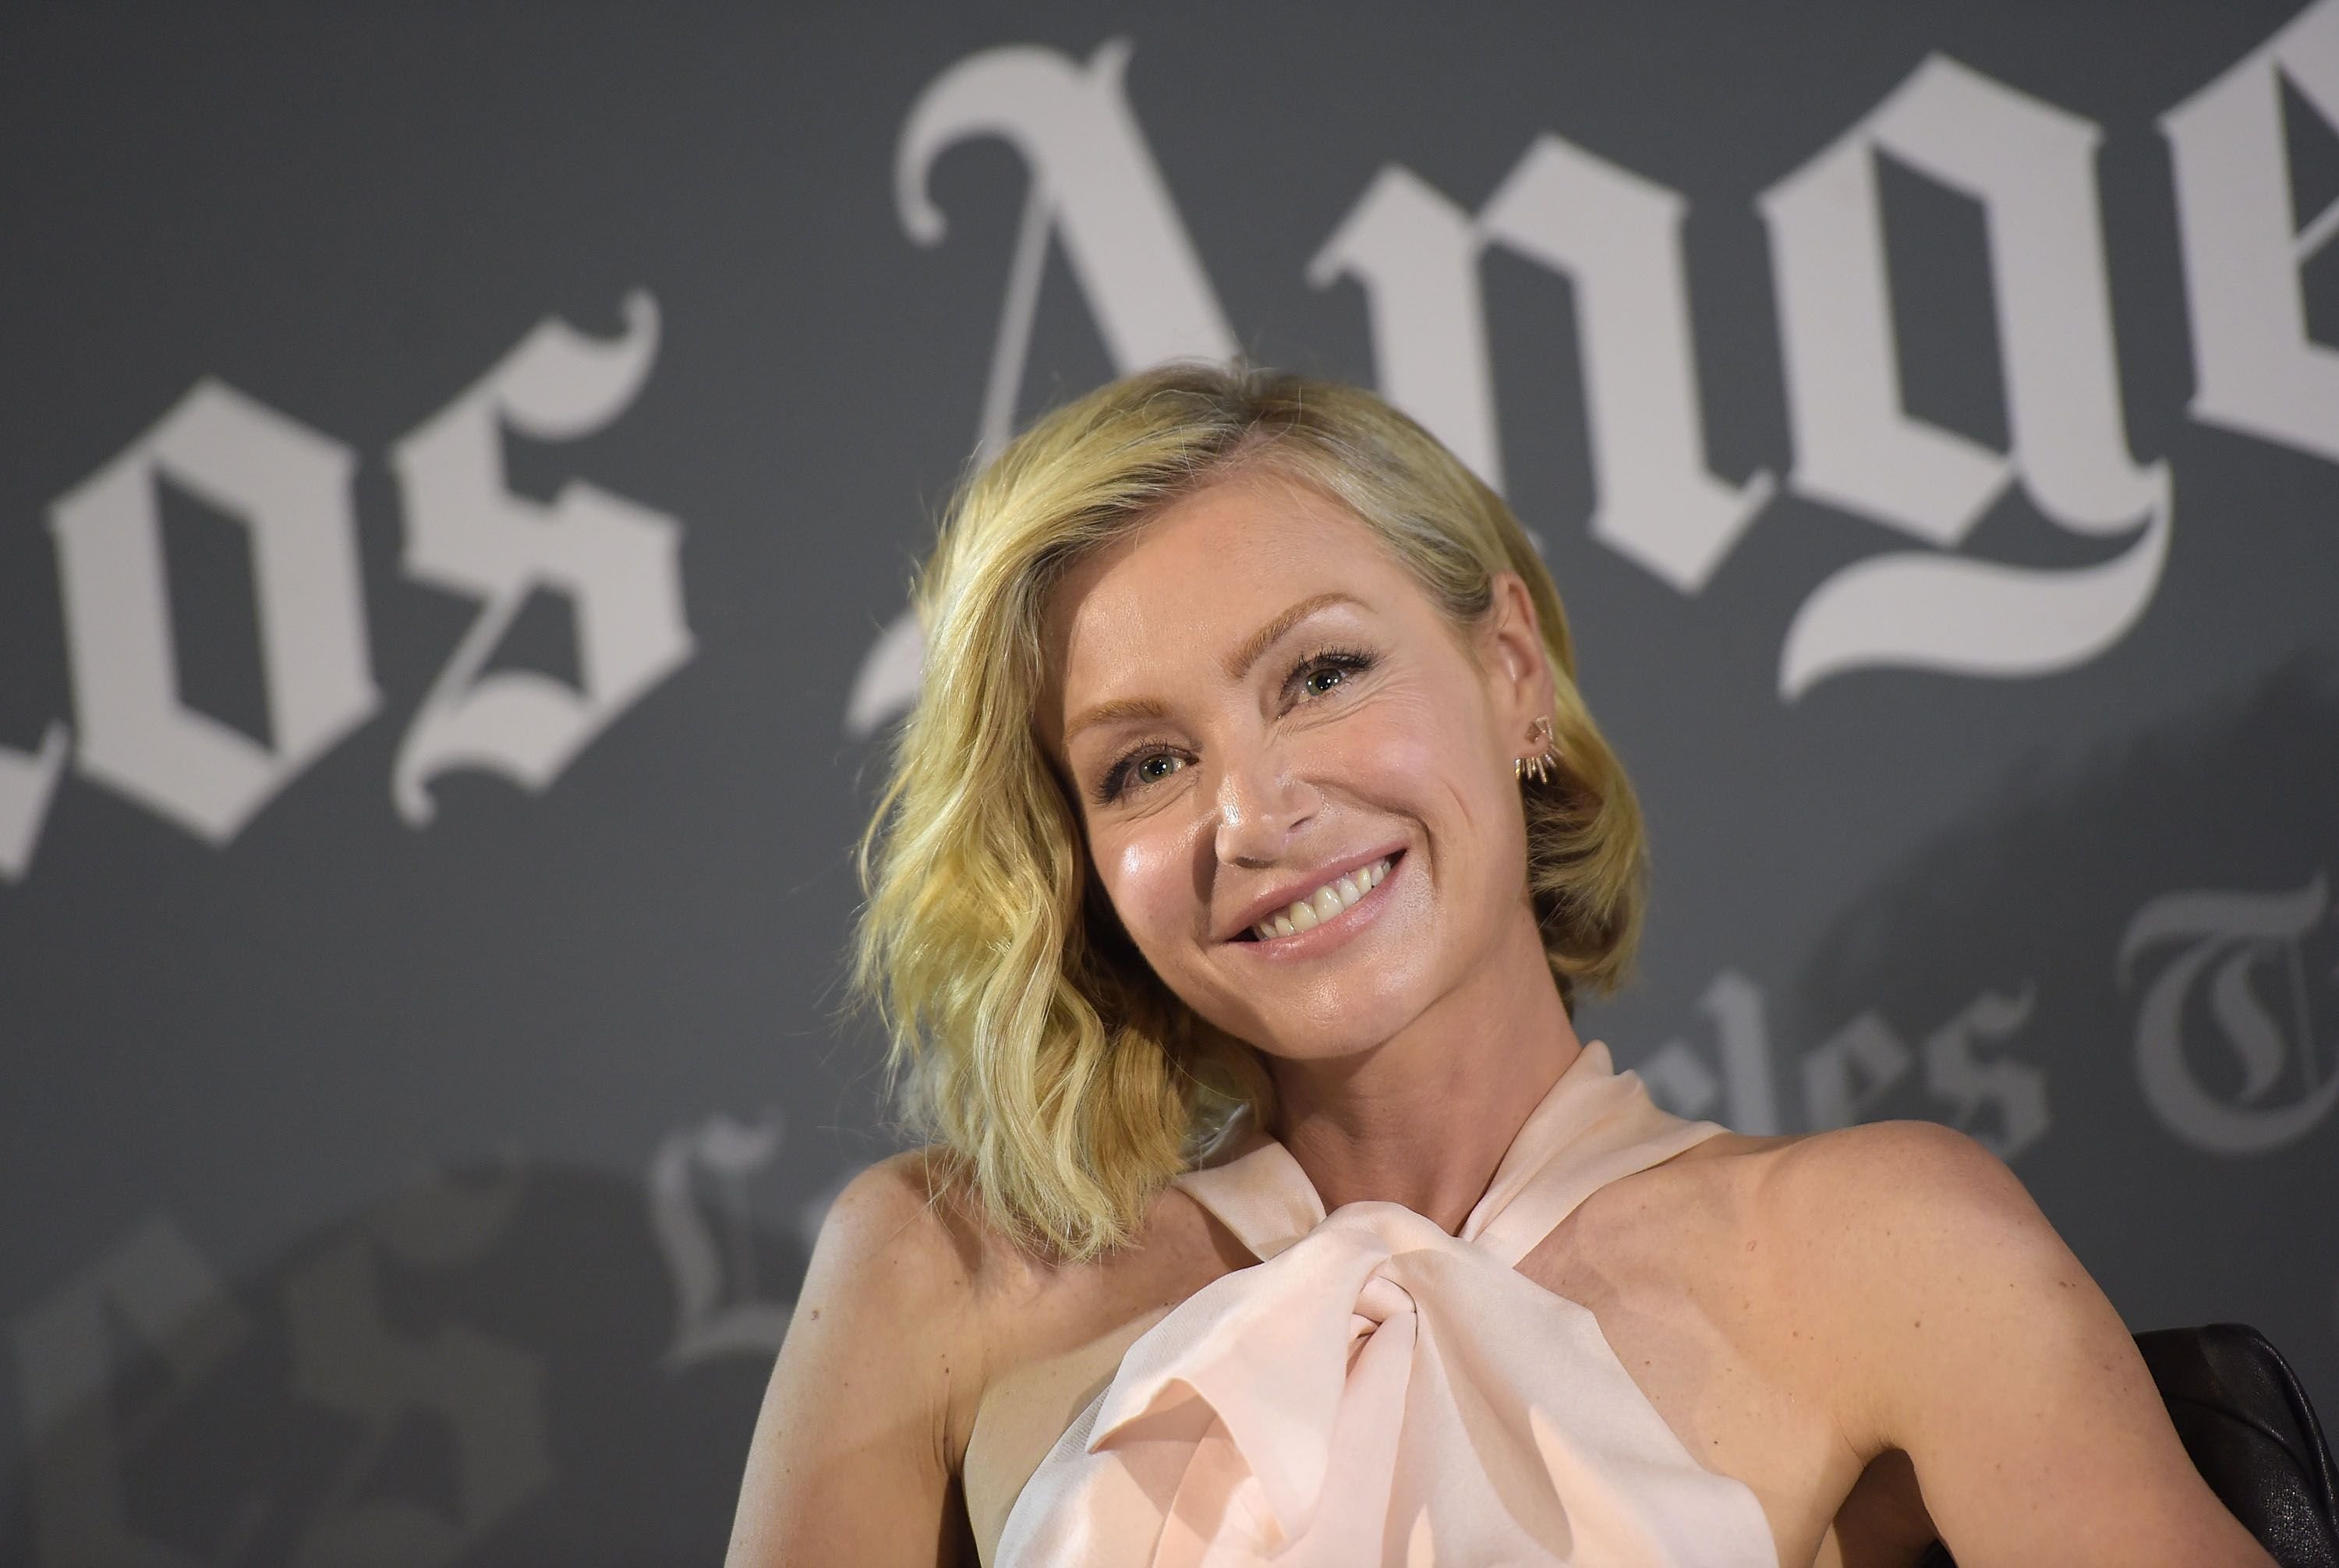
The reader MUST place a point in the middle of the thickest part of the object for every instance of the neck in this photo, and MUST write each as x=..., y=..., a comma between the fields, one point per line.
x=1424, y=1118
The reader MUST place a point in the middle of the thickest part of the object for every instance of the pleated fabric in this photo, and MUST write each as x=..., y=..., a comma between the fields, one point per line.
x=1376, y=1391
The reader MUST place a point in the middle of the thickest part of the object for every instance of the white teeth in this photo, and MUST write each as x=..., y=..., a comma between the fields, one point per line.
x=1321, y=906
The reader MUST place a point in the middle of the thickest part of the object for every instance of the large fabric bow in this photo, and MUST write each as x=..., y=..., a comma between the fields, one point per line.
x=1378, y=1391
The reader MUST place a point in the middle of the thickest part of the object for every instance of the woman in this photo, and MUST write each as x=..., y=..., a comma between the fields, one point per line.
x=1242, y=859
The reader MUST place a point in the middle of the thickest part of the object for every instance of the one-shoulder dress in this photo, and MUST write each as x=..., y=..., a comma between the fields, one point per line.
x=1376, y=1391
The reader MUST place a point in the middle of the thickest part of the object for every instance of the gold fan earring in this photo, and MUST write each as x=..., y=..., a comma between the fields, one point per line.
x=1545, y=757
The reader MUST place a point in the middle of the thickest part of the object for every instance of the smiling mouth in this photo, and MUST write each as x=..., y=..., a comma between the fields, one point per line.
x=1340, y=894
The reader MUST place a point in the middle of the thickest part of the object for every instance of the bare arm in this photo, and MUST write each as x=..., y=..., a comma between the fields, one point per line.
x=1970, y=1337
x=854, y=1449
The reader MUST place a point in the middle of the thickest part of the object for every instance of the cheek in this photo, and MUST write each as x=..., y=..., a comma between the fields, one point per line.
x=1148, y=877
x=1426, y=750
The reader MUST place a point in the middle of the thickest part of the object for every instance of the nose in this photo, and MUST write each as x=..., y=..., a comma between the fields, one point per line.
x=1260, y=806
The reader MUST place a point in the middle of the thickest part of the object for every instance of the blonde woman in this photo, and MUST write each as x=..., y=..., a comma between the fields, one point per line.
x=1242, y=861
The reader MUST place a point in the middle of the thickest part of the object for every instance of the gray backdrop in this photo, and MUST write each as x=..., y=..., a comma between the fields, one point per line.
x=461, y=469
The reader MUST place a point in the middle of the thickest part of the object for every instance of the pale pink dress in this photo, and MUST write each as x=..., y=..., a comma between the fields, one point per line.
x=1376, y=1391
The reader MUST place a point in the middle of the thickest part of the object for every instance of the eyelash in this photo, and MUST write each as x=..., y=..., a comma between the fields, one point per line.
x=1348, y=662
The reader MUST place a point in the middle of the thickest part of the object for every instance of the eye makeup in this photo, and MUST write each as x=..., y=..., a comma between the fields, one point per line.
x=1123, y=774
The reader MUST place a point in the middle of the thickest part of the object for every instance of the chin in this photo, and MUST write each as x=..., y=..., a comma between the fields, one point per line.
x=1332, y=1020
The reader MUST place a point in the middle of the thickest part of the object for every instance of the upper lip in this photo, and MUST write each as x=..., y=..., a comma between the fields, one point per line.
x=1302, y=884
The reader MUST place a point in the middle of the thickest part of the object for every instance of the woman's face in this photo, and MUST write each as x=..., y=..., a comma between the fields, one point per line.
x=1295, y=773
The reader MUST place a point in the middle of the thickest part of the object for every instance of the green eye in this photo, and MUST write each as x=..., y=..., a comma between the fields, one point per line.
x=1319, y=673
x=1156, y=767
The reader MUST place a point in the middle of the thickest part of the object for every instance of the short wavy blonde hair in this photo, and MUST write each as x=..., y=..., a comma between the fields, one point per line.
x=1061, y=1077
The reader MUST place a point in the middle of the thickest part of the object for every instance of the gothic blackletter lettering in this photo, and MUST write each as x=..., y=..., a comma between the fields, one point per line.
x=1616, y=238
x=616, y=561
x=2225, y=944
x=485, y=1395
x=1415, y=253
x=81, y=1448
x=1745, y=1092
x=26, y=782
x=1846, y=1076
x=719, y=1309
x=2014, y=1091
x=1093, y=183
x=2031, y=166
x=2259, y=371
x=289, y=488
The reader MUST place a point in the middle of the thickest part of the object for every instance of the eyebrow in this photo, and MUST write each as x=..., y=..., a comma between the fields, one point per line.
x=1112, y=712
x=1236, y=665
x=1239, y=662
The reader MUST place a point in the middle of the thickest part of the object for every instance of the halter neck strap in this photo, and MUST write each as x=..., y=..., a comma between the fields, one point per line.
x=1595, y=1126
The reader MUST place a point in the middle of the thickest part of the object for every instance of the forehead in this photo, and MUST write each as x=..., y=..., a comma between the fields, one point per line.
x=1198, y=576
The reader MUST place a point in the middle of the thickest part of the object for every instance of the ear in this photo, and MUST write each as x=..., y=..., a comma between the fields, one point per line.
x=1518, y=668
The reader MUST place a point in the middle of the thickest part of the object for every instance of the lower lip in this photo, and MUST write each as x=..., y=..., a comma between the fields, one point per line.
x=1322, y=939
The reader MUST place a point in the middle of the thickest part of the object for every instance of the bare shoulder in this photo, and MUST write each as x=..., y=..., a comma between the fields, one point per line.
x=1847, y=1198
x=904, y=1294
x=909, y=1252
x=1819, y=1254
x=906, y=1251
x=1894, y=1164
x=1877, y=1220
x=857, y=1443
x=907, y=1217
x=1829, y=1228
x=1867, y=1224
x=1947, y=1319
